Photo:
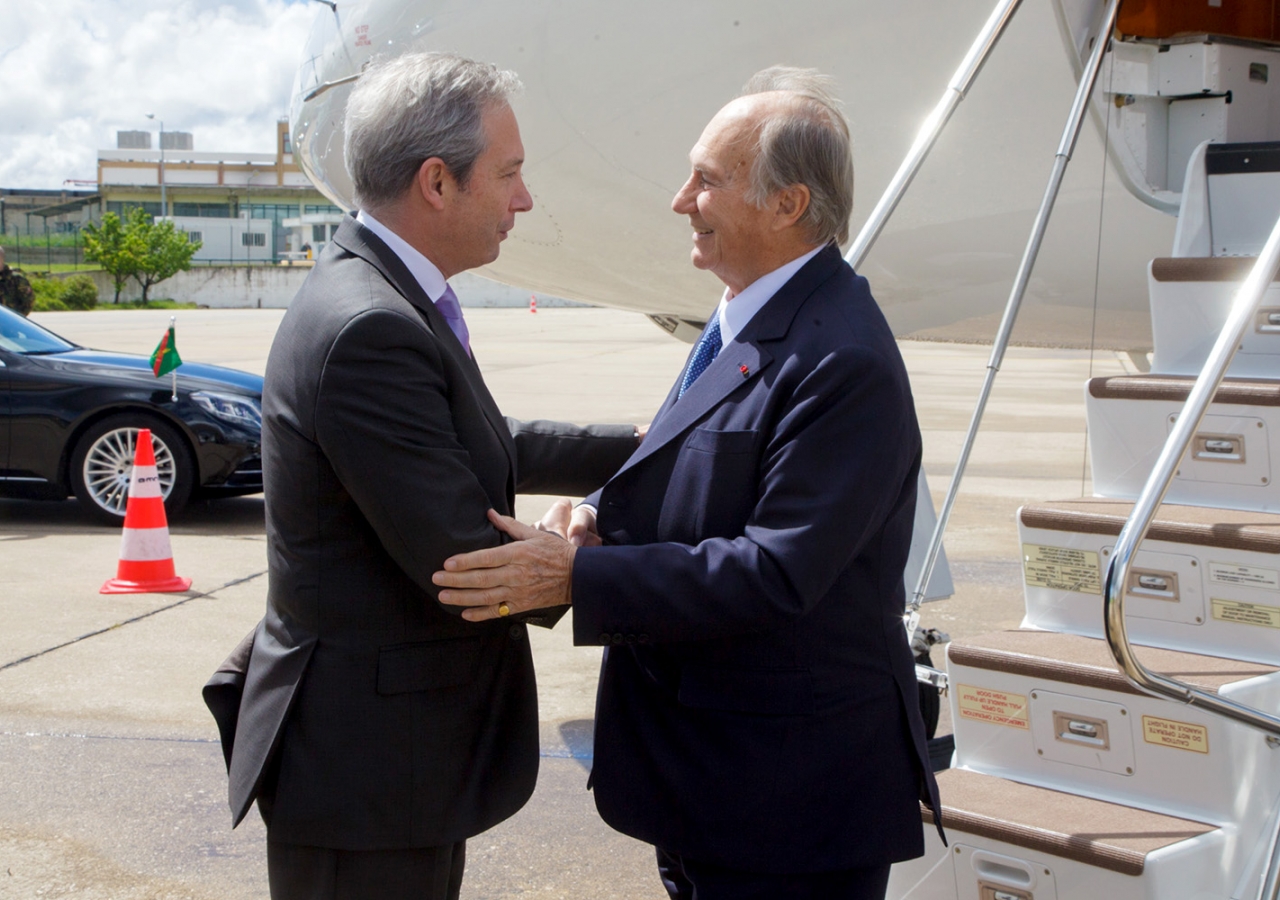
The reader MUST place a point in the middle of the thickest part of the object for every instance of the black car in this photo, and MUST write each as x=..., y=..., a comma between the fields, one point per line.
x=69, y=419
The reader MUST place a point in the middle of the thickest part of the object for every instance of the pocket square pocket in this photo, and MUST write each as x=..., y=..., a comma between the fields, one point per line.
x=427, y=666
x=711, y=441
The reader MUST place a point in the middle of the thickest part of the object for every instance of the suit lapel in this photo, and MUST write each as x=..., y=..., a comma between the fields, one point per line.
x=740, y=362
x=355, y=238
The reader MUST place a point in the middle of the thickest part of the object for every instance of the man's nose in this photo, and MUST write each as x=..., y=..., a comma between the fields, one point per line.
x=523, y=200
x=682, y=202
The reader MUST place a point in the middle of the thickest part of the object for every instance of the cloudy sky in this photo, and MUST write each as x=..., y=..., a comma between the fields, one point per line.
x=73, y=72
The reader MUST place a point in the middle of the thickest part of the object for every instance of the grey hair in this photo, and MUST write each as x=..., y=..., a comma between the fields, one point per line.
x=806, y=142
x=406, y=110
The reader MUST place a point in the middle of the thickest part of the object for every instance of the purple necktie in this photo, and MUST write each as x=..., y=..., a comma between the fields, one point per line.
x=452, y=312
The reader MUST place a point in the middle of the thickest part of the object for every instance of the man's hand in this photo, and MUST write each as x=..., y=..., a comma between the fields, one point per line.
x=577, y=525
x=533, y=572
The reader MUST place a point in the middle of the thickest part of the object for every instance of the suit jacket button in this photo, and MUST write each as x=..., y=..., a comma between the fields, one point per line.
x=605, y=638
x=631, y=639
x=644, y=639
x=618, y=639
x=516, y=632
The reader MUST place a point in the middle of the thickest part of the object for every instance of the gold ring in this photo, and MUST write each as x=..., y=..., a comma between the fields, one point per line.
x=504, y=610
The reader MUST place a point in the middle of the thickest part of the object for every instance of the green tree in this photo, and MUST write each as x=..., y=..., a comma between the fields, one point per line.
x=115, y=246
x=166, y=251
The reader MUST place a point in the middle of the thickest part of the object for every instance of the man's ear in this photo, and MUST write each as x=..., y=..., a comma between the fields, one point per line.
x=791, y=204
x=434, y=181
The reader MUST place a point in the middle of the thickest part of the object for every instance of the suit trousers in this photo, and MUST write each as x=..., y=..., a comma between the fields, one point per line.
x=687, y=879
x=298, y=872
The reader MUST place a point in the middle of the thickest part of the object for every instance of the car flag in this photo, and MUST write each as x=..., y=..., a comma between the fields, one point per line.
x=166, y=358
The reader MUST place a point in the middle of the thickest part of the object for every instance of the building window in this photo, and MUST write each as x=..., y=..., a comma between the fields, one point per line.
x=253, y=239
x=203, y=210
x=195, y=237
x=313, y=208
x=276, y=211
x=121, y=208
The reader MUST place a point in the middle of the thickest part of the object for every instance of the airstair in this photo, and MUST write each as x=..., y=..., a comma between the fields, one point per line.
x=1071, y=778
x=1125, y=741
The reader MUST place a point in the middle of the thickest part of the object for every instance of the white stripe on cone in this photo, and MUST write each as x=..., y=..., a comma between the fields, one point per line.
x=145, y=482
x=145, y=544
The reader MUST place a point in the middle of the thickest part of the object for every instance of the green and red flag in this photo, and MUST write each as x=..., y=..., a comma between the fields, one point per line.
x=166, y=357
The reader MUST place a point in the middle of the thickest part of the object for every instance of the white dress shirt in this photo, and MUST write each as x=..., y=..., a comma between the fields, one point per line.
x=736, y=312
x=421, y=268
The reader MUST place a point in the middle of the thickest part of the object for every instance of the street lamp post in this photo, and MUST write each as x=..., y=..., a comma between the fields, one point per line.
x=164, y=206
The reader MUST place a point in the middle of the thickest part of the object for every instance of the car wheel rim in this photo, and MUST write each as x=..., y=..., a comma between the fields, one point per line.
x=109, y=464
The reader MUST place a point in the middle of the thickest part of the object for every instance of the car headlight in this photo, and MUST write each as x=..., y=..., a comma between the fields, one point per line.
x=241, y=410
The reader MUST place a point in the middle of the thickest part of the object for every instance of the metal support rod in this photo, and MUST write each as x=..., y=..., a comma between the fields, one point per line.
x=1065, y=148
x=1243, y=310
x=929, y=131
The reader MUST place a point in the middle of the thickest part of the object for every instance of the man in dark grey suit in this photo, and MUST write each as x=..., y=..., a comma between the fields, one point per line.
x=376, y=729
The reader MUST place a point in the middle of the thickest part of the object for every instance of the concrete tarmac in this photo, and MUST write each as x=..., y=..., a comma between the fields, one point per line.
x=112, y=784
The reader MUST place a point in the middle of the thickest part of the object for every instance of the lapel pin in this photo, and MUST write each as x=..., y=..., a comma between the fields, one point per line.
x=746, y=373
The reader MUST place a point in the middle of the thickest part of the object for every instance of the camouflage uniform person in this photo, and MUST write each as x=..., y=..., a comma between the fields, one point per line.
x=15, y=290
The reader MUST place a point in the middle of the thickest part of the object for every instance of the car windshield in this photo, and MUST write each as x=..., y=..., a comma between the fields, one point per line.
x=19, y=335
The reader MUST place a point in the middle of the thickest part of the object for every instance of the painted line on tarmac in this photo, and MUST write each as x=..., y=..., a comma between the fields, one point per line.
x=145, y=615
x=106, y=737
x=69, y=735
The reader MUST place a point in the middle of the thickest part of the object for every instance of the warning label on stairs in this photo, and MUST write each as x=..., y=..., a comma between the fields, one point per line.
x=1178, y=735
x=1245, y=613
x=995, y=707
x=1061, y=569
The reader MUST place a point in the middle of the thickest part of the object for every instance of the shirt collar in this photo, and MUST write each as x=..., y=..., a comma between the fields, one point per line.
x=734, y=316
x=421, y=268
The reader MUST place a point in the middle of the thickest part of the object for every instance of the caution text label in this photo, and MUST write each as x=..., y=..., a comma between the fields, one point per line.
x=1178, y=735
x=994, y=707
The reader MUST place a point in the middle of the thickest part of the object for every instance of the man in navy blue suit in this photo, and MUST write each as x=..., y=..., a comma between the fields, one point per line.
x=757, y=719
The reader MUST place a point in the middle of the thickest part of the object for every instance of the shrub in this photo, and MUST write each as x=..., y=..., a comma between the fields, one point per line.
x=48, y=294
x=80, y=292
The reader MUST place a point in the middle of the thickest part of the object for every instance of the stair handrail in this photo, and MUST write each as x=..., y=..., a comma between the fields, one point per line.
x=1066, y=147
x=1243, y=310
x=928, y=134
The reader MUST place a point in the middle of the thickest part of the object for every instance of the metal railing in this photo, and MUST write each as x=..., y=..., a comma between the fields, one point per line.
x=1066, y=147
x=1243, y=311
x=932, y=128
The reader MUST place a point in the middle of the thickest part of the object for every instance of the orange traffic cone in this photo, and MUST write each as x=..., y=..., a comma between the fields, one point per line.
x=533, y=303
x=146, y=561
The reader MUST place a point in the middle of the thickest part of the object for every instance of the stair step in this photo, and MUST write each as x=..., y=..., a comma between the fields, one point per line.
x=1094, y=832
x=1204, y=581
x=1017, y=841
x=1190, y=302
x=1087, y=662
x=1054, y=710
x=1230, y=461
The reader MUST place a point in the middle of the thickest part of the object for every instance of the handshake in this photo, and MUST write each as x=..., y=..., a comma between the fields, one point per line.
x=534, y=571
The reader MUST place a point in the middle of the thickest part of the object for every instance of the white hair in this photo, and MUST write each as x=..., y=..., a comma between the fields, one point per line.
x=806, y=142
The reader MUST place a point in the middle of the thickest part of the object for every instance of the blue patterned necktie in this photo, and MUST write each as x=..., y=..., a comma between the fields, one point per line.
x=707, y=350
x=452, y=312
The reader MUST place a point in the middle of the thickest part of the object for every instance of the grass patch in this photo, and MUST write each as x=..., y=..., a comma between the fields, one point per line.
x=152, y=304
x=64, y=268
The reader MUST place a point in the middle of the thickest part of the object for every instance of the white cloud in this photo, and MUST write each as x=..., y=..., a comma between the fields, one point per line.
x=73, y=72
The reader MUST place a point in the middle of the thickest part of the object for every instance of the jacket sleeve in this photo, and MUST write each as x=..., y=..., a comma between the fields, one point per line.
x=839, y=460
x=560, y=458
x=384, y=421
